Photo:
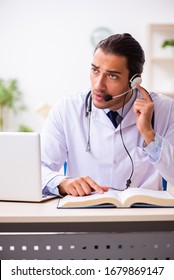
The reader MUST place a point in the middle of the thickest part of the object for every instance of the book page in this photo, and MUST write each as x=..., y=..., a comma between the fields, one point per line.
x=140, y=195
x=111, y=196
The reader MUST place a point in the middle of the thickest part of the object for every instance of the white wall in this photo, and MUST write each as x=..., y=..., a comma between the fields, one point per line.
x=45, y=44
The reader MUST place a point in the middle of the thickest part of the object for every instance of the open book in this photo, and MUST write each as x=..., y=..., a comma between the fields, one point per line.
x=128, y=198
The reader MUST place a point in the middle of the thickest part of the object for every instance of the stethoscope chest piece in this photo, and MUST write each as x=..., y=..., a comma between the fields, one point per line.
x=88, y=110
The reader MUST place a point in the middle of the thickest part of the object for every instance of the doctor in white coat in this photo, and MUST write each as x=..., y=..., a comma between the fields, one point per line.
x=136, y=151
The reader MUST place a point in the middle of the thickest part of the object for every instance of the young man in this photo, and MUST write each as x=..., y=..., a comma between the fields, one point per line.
x=136, y=150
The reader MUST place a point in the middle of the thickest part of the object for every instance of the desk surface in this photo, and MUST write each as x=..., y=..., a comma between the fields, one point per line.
x=46, y=212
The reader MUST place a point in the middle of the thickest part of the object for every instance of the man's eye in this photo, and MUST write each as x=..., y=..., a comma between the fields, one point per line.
x=94, y=70
x=113, y=76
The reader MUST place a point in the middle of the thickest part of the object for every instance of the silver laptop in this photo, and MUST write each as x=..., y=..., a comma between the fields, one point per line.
x=20, y=167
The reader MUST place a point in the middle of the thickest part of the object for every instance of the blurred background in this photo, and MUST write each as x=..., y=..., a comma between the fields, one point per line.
x=46, y=49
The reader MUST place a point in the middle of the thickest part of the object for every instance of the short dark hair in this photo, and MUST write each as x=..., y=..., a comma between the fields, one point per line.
x=124, y=45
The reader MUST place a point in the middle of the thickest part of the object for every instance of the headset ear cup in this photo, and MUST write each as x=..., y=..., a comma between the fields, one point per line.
x=136, y=80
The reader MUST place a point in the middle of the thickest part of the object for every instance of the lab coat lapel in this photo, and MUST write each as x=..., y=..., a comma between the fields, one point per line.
x=100, y=116
x=129, y=119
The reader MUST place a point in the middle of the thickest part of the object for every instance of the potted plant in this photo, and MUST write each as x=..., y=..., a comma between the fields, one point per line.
x=166, y=43
x=24, y=128
x=10, y=99
x=169, y=46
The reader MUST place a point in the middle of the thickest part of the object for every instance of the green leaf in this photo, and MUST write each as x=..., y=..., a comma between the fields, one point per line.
x=167, y=43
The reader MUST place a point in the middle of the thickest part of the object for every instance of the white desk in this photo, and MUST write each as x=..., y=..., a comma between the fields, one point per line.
x=41, y=231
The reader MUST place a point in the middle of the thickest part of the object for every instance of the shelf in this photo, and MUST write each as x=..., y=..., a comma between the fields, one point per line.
x=160, y=61
x=161, y=27
x=163, y=59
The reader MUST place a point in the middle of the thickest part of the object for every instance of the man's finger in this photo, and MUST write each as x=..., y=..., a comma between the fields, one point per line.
x=95, y=186
x=144, y=92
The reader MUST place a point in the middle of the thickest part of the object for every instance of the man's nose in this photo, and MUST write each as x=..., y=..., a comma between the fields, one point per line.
x=100, y=83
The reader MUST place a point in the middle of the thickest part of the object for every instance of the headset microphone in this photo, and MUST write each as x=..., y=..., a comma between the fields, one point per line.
x=109, y=97
x=133, y=81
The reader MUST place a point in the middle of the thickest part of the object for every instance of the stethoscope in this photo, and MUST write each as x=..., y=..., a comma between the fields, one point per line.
x=88, y=111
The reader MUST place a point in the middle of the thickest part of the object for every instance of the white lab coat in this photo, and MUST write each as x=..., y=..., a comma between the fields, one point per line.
x=64, y=138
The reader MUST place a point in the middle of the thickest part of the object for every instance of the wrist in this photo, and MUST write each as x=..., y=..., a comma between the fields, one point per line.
x=62, y=186
x=149, y=136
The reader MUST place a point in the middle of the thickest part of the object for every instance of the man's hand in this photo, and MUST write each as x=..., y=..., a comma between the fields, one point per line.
x=80, y=186
x=143, y=108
